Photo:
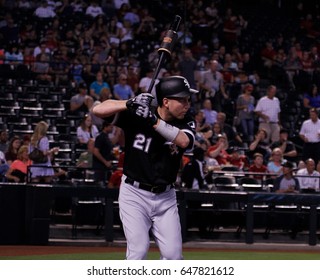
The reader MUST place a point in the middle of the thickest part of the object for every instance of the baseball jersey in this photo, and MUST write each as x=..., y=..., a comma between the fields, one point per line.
x=150, y=158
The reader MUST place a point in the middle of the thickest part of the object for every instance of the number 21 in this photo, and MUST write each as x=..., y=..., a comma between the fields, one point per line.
x=142, y=143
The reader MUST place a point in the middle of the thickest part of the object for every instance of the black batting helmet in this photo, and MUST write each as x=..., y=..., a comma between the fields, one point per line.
x=173, y=86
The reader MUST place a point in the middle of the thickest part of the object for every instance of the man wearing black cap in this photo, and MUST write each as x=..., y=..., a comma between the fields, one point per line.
x=287, y=147
x=155, y=142
x=286, y=183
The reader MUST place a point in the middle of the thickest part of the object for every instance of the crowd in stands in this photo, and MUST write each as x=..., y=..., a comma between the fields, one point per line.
x=256, y=67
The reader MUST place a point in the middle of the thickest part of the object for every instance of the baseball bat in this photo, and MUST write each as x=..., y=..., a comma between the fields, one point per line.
x=166, y=48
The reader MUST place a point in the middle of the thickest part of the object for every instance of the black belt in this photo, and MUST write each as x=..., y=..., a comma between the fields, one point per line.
x=147, y=187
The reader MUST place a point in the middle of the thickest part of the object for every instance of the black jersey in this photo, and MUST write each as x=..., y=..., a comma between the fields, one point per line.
x=150, y=158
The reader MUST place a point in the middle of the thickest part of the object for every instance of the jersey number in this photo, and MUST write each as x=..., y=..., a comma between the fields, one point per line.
x=142, y=143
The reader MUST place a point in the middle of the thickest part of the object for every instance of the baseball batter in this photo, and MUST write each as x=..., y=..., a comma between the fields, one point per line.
x=154, y=144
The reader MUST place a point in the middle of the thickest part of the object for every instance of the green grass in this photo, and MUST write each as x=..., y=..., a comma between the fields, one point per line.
x=214, y=255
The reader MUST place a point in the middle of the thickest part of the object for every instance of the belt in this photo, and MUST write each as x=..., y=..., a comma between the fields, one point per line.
x=270, y=122
x=147, y=187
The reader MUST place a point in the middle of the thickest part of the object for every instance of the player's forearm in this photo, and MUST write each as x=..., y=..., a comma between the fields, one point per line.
x=109, y=108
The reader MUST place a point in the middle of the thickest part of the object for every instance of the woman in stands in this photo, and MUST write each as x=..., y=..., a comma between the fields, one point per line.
x=12, y=152
x=245, y=110
x=86, y=130
x=276, y=161
x=18, y=170
x=42, y=172
x=312, y=98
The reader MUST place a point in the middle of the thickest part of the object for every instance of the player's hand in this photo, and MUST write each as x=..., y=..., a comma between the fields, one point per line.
x=143, y=99
x=141, y=106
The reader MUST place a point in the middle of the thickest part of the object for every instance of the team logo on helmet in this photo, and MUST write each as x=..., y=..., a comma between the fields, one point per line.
x=186, y=83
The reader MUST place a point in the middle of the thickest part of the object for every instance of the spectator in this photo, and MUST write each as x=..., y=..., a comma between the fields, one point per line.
x=268, y=54
x=245, y=112
x=127, y=32
x=310, y=134
x=81, y=102
x=78, y=7
x=132, y=16
x=230, y=131
x=85, y=158
x=260, y=145
x=19, y=168
x=4, y=141
x=41, y=49
x=3, y=166
x=210, y=115
x=268, y=111
x=86, y=42
x=311, y=99
x=309, y=180
x=146, y=30
x=119, y=3
x=219, y=150
x=187, y=67
x=133, y=78
x=258, y=167
x=286, y=183
x=275, y=163
x=115, y=178
x=59, y=69
x=76, y=70
x=98, y=85
x=44, y=11
x=287, y=147
x=86, y=130
x=213, y=85
x=145, y=82
x=292, y=65
x=122, y=90
x=237, y=158
x=193, y=173
x=94, y=10
x=42, y=172
x=13, y=147
x=102, y=154
x=41, y=68
x=217, y=131
x=93, y=67
x=14, y=56
x=105, y=94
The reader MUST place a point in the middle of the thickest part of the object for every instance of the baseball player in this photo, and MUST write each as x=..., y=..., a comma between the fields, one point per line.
x=155, y=141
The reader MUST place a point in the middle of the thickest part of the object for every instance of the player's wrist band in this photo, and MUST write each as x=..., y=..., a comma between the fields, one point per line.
x=166, y=130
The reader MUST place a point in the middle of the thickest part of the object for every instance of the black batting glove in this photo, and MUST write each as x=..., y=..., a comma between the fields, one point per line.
x=141, y=106
x=143, y=99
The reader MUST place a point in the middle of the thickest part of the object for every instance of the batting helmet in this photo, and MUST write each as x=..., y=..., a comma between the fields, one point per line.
x=171, y=87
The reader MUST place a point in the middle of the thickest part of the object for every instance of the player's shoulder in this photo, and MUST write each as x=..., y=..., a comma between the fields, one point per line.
x=189, y=121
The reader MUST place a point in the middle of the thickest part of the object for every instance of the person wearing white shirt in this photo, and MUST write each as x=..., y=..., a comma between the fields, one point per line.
x=310, y=134
x=268, y=111
x=44, y=11
x=119, y=3
x=94, y=10
x=308, y=177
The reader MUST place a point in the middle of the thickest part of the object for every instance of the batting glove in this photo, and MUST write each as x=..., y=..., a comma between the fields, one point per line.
x=143, y=99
